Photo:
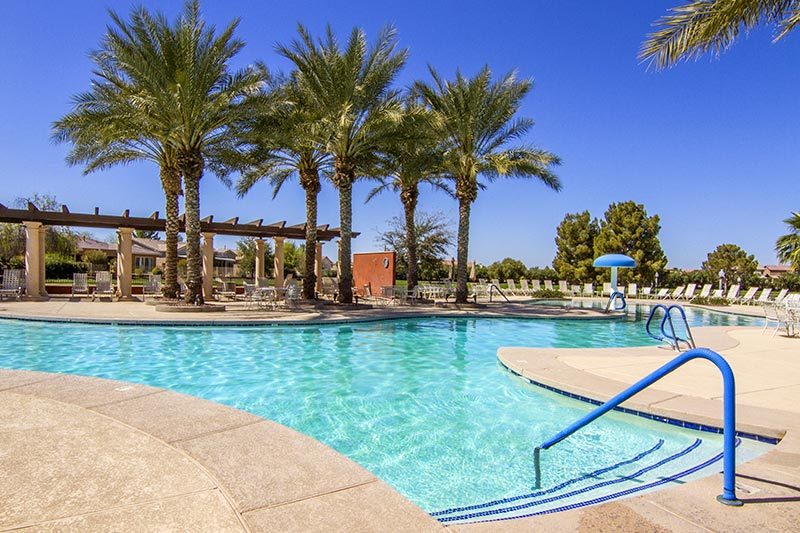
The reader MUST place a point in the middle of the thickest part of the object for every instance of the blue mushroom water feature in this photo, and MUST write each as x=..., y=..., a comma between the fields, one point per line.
x=615, y=261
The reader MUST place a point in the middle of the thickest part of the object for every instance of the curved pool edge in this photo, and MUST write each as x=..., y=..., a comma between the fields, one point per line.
x=269, y=476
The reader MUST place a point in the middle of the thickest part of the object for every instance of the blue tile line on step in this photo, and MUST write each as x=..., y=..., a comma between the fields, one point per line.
x=556, y=488
x=534, y=503
x=657, y=418
x=621, y=494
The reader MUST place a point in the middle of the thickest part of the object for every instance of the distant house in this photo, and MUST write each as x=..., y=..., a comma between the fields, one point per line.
x=327, y=264
x=144, y=258
x=774, y=271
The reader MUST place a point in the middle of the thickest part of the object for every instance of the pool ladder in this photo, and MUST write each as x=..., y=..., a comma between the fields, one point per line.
x=728, y=496
x=616, y=302
x=668, y=333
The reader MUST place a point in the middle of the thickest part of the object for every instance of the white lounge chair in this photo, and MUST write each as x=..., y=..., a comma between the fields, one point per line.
x=537, y=285
x=512, y=287
x=227, y=290
x=588, y=290
x=606, y=289
x=80, y=284
x=647, y=292
x=152, y=287
x=688, y=294
x=764, y=296
x=662, y=294
x=102, y=284
x=576, y=290
x=633, y=290
x=13, y=283
x=548, y=285
x=733, y=292
x=748, y=296
x=677, y=293
x=718, y=293
x=524, y=287
x=781, y=296
x=705, y=291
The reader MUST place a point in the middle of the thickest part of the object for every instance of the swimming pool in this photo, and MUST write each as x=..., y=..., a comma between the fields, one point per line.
x=422, y=403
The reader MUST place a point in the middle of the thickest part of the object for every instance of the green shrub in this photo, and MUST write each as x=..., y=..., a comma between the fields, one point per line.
x=544, y=293
x=710, y=301
x=95, y=257
x=60, y=267
x=156, y=271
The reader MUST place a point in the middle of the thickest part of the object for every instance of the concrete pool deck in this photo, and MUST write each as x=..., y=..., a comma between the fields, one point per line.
x=89, y=454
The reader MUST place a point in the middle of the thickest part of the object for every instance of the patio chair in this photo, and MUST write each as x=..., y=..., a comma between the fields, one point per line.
x=525, y=287
x=662, y=294
x=250, y=298
x=781, y=296
x=688, y=294
x=537, y=285
x=80, y=284
x=227, y=290
x=576, y=290
x=633, y=290
x=606, y=289
x=262, y=282
x=152, y=287
x=718, y=293
x=677, y=293
x=704, y=292
x=764, y=296
x=588, y=290
x=512, y=287
x=647, y=292
x=13, y=282
x=548, y=285
x=291, y=298
x=748, y=297
x=102, y=284
x=733, y=292
x=563, y=287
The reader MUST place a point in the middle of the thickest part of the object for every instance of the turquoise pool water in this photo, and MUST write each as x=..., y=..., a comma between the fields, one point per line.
x=422, y=403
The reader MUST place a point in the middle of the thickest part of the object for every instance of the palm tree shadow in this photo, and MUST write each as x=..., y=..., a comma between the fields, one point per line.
x=774, y=499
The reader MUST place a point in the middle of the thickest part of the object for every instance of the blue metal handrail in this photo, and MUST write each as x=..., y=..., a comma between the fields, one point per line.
x=612, y=300
x=728, y=496
x=670, y=337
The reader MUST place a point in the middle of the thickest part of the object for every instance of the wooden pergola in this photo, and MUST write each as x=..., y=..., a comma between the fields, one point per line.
x=35, y=221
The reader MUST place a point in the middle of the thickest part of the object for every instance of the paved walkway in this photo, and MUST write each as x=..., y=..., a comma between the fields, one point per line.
x=87, y=454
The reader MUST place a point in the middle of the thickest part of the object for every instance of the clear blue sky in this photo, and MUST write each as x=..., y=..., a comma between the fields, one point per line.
x=711, y=146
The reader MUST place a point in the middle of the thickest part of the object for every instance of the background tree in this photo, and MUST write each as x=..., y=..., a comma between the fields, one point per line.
x=412, y=159
x=246, y=256
x=627, y=229
x=734, y=261
x=507, y=268
x=702, y=26
x=362, y=111
x=477, y=124
x=433, y=239
x=284, y=137
x=575, y=237
x=543, y=273
x=59, y=241
x=147, y=234
x=788, y=246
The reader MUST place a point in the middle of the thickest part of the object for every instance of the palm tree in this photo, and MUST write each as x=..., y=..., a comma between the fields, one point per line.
x=414, y=158
x=283, y=132
x=105, y=129
x=182, y=85
x=788, y=246
x=703, y=26
x=477, y=124
x=361, y=112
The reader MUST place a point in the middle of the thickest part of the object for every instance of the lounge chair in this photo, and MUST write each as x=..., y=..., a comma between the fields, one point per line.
x=563, y=287
x=647, y=292
x=292, y=296
x=733, y=292
x=764, y=296
x=152, y=287
x=718, y=293
x=13, y=282
x=588, y=289
x=677, y=293
x=781, y=296
x=512, y=287
x=705, y=292
x=524, y=287
x=633, y=289
x=606, y=289
x=576, y=290
x=688, y=294
x=662, y=294
x=748, y=296
x=548, y=285
x=227, y=290
x=102, y=284
x=80, y=284
x=537, y=285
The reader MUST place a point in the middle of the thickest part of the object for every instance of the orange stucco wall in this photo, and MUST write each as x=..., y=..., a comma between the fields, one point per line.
x=376, y=268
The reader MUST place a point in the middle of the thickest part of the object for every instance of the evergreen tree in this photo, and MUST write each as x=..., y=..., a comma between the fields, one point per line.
x=575, y=247
x=735, y=262
x=627, y=229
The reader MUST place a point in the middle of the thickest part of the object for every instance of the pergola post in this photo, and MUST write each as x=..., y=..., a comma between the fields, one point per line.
x=279, y=261
x=208, y=265
x=34, y=260
x=260, y=251
x=318, y=267
x=125, y=263
x=42, y=263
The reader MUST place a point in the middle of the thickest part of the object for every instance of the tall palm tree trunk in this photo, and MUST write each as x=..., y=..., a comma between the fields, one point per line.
x=192, y=173
x=409, y=198
x=170, y=179
x=311, y=186
x=463, y=250
x=343, y=179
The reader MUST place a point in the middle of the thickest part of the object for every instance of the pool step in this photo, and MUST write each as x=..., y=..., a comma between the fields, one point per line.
x=603, y=485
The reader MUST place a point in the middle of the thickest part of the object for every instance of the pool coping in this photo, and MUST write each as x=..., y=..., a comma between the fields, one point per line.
x=226, y=445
